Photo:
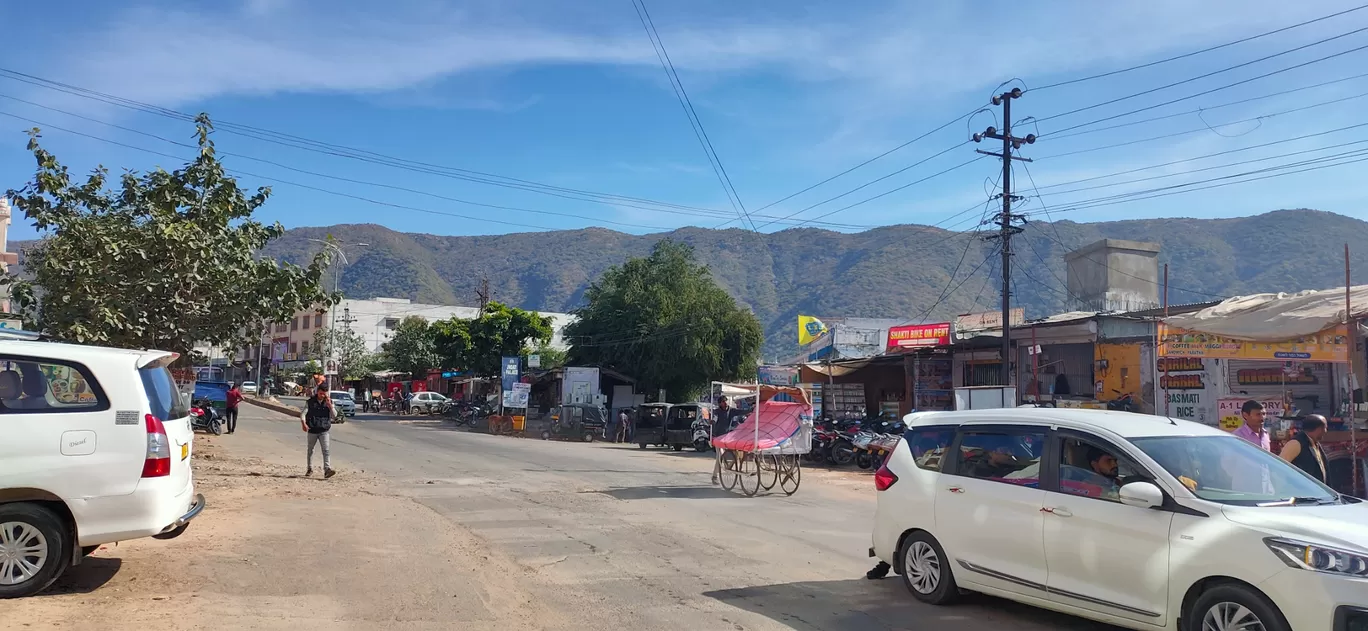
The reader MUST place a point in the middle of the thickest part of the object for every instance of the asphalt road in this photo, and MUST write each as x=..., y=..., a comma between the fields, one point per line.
x=644, y=540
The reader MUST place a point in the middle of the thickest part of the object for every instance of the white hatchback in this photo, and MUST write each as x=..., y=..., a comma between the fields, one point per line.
x=1129, y=519
x=95, y=447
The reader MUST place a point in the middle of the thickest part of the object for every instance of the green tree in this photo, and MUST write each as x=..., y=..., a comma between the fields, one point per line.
x=550, y=357
x=345, y=344
x=477, y=345
x=167, y=260
x=413, y=349
x=663, y=320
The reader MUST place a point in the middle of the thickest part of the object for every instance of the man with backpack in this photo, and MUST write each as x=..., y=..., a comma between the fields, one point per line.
x=316, y=420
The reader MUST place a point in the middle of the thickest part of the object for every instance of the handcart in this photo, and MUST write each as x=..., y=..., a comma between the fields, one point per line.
x=765, y=450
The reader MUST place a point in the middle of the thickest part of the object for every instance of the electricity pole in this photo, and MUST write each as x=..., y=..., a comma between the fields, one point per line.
x=347, y=321
x=1006, y=219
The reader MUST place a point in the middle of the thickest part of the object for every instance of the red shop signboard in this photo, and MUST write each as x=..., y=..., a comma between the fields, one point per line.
x=918, y=335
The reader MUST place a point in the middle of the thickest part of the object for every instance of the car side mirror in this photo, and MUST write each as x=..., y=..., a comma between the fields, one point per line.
x=1141, y=495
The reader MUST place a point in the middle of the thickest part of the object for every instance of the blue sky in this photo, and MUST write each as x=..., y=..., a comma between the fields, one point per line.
x=572, y=95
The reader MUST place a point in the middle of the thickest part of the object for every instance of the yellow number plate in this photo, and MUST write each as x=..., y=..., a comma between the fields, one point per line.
x=185, y=451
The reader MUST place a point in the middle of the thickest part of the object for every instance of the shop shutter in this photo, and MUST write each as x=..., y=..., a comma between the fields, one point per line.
x=1303, y=394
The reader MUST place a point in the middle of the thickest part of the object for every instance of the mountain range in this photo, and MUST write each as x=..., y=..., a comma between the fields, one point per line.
x=906, y=272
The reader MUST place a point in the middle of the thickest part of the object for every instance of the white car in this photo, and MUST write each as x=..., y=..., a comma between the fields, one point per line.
x=1129, y=519
x=428, y=402
x=95, y=447
x=248, y=387
x=344, y=404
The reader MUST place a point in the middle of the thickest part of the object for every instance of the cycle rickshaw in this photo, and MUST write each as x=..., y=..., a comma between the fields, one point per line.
x=765, y=450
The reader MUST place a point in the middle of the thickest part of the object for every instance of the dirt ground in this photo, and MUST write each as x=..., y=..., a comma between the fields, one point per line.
x=262, y=550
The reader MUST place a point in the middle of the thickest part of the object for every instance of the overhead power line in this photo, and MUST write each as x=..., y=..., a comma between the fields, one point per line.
x=275, y=163
x=1208, y=108
x=1202, y=93
x=1204, y=50
x=1195, y=130
x=343, y=151
x=686, y=103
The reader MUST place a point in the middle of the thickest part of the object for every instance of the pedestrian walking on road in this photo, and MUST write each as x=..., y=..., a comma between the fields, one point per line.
x=234, y=397
x=317, y=421
x=623, y=420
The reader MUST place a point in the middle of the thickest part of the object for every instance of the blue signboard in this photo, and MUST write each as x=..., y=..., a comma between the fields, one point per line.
x=511, y=372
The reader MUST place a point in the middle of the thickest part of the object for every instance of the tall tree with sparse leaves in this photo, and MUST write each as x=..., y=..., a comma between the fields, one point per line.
x=165, y=261
x=664, y=320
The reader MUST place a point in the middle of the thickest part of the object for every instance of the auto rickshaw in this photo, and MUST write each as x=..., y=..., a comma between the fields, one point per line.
x=650, y=424
x=576, y=421
x=679, y=426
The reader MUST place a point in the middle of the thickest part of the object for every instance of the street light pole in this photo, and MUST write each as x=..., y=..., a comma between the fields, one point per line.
x=337, y=282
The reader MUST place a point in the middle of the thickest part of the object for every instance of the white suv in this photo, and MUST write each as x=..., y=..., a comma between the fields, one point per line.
x=1133, y=520
x=94, y=448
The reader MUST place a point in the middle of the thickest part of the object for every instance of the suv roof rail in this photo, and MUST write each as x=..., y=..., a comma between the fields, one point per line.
x=22, y=336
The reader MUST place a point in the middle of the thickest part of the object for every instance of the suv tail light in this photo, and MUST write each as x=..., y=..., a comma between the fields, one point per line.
x=158, y=461
x=883, y=478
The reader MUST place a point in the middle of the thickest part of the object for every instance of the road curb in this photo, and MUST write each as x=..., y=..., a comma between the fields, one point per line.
x=274, y=407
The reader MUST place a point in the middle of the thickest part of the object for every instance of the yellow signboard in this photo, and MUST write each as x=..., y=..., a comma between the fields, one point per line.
x=1330, y=345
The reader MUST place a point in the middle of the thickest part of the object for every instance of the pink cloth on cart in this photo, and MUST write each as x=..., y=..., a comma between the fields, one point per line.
x=779, y=421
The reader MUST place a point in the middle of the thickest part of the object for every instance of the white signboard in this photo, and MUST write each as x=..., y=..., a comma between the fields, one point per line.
x=330, y=367
x=518, y=396
x=534, y=361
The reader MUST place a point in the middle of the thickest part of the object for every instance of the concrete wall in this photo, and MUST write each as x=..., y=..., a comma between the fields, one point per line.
x=1114, y=275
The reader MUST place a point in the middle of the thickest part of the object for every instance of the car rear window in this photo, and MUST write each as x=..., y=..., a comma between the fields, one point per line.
x=928, y=445
x=162, y=394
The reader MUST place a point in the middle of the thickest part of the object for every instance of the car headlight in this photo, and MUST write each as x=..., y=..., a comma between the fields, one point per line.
x=1318, y=558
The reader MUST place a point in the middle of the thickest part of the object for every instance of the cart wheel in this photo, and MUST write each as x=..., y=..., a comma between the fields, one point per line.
x=728, y=474
x=588, y=437
x=546, y=434
x=749, y=471
x=790, y=474
x=769, y=466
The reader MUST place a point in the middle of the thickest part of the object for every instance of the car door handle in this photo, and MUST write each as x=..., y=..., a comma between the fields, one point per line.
x=1058, y=512
x=955, y=489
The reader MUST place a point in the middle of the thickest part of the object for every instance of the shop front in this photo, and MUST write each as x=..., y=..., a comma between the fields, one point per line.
x=928, y=367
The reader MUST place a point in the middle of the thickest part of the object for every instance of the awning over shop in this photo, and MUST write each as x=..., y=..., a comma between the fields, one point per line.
x=1274, y=317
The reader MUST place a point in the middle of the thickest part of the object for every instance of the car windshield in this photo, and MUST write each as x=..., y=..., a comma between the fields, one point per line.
x=1229, y=470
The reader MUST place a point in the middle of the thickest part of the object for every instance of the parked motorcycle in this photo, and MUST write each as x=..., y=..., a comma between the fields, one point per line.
x=702, y=434
x=204, y=417
x=1124, y=403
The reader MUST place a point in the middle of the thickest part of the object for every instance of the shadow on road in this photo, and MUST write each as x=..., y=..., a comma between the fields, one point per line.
x=671, y=492
x=863, y=605
x=90, y=575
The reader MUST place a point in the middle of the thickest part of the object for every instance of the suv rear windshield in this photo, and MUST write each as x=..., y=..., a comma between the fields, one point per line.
x=163, y=396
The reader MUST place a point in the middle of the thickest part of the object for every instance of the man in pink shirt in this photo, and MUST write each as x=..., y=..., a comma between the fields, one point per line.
x=1253, y=428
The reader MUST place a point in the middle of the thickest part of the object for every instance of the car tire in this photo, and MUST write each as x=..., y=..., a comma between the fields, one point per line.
x=1234, y=602
x=34, y=527
x=926, y=570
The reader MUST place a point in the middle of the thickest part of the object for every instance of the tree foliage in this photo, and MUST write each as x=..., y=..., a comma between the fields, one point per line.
x=348, y=346
x=663, y=320
x=478, y=345
x=165, y=261
x=413, y=349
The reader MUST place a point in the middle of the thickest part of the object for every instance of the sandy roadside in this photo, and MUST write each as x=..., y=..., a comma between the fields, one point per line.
x=274, y=550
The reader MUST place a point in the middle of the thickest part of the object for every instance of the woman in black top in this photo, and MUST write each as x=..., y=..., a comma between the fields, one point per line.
x=1304, y=450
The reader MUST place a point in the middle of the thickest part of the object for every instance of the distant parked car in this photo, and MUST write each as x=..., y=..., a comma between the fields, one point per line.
x=428, y=403
x=343, y=403
x=248, y=387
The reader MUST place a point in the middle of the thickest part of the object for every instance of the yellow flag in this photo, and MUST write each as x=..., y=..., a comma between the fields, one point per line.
x=809, y=329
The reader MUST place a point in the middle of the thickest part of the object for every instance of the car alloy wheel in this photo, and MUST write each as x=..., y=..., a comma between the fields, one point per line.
x=1229, y=616
x=922, y=567
x=23, y=552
